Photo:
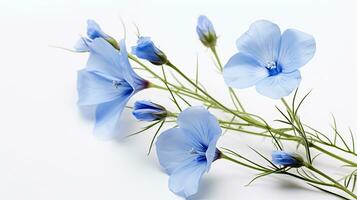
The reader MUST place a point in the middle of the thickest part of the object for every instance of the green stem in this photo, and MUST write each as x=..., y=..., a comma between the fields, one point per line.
x=245, y=118
x=196, y=96
x=286, y=105
x=183, y=91
x=353, y=164
x=296, y=139
x=214, y=51
x=236, y=98
x=257, y=167
x=223, y=156
x=336, y=183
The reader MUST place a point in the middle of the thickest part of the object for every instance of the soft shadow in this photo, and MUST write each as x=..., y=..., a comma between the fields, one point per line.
x=290, y=185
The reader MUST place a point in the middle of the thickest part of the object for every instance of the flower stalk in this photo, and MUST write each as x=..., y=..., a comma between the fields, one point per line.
x=252, y=122
x=271, y=64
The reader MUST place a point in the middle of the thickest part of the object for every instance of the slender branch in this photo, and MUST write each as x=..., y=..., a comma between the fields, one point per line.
x=336, y=183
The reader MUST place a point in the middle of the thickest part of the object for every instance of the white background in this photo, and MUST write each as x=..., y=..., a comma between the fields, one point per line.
x=47, y=149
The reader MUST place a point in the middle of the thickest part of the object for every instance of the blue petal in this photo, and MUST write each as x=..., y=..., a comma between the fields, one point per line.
x=130, y=76
x=95, y=89
x=185, y=181
x=279, y=85
x=82, y=45
x=142, y=104
x=146, y=49
x=173, y=148
x=286, y=159
x=204, y=26
x=200, y=123
x=211, y=152
x=104, y=59
x=107, y=116
x=297, y=48
x=243, y=71
x=261, y=41
x=94, y=30
x=109, y=62
x=147, y=114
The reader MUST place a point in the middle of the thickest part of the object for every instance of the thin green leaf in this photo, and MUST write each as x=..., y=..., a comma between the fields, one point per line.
x=144, y=129
x=183, y=99
x=352, y=140
x=154, y=137
x=276, y=167
x=172, y=95
x=260, y=176
x=329, y=192
x=302, y=100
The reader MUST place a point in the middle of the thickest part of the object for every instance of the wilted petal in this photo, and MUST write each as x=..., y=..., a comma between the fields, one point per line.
x=243, y=71
x=261, y=41
x=202, y=125
x=297, y=48
x=185, y=181
x=279, y=85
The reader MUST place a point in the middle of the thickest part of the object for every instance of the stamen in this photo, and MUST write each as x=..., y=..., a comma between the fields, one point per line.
x=195, y=152
x=116, y=84
x=271, y=65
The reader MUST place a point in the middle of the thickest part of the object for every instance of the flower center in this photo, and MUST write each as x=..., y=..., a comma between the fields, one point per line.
x=122, y=87
x=201, y=155
x=116, y=84
x=273, y=68
x=195, y=152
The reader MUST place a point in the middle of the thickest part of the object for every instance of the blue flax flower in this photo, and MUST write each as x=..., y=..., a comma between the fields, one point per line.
x=93, y=31
x=108, y=81
x=269, y=60
x=206, y=32
x=285, y=159
x=148, y=111
x=146, y=49
x=188, y=151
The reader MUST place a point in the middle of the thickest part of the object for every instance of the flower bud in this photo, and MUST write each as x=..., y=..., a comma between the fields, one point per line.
x=94, y=31
x=148, y=111
x=147, y=50
x=285, y=159
x=206, y=32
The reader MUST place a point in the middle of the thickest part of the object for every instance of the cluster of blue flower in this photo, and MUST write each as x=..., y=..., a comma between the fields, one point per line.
x=267, y=59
